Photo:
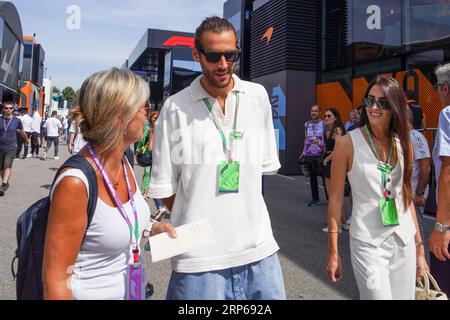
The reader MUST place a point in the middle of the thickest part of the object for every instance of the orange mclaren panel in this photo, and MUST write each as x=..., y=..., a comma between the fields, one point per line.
x=333, y=95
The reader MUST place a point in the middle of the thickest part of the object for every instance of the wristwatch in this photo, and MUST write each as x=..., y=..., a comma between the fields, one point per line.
x=439, y=227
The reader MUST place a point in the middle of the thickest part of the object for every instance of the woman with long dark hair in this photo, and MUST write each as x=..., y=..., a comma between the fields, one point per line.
x=334, y=128
x=386, y=249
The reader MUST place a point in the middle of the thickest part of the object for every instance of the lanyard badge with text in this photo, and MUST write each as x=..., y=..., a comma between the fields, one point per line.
x=136, y=274
x=229, y=171
x=388, y=208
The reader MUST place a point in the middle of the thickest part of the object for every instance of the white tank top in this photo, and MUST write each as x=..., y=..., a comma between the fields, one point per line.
x=101, y=265
x=365, y=180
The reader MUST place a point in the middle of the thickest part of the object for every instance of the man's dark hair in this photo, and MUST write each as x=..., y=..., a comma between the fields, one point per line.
x=34, y=109
x=8, y=103
x=54, y=113
x=213, y=24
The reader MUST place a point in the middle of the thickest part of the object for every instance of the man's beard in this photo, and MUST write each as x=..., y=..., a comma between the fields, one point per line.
x=209, y=76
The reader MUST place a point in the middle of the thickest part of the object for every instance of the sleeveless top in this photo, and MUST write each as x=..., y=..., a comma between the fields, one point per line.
x=365, y=180
x=101, y=265
x=329, y=143
x=314, y=138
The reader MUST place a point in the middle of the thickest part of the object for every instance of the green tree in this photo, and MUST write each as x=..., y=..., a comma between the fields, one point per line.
x=56, y=90
x=76, y=98
x=68, y=94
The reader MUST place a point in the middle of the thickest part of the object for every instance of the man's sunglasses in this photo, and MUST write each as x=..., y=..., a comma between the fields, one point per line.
x=215, y=56
x=382, y=104
x=5, y=108
x=437, y=86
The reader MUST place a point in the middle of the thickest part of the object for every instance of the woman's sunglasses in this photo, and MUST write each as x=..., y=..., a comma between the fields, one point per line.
x=327, y=116
x=215, y=56
x=382, y=104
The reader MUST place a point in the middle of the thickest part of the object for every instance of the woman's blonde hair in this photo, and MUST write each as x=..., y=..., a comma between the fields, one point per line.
x=108, y=101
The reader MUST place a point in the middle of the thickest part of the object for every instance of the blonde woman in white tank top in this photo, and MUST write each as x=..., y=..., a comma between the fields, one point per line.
x=93, y=263
x=387, y=252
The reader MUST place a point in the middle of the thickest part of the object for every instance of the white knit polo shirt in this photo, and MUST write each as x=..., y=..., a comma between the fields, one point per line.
x=187, y=150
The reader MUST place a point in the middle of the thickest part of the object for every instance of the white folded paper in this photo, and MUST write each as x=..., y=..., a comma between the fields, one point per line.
x=192, y=236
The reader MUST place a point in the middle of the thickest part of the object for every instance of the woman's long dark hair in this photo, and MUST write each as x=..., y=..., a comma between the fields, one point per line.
x=398, y=125
x=337, y=123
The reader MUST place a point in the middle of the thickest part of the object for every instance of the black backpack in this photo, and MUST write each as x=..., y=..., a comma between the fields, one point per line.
x=31, y=230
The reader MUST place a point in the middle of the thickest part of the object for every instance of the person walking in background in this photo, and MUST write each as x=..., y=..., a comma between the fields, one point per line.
x=146, y=145
x=440, y=237
x=52, y=128
x=386, y=247
x=354, y=119
x=35, y=132
x=421, y=170
x=43, y=137
x=313, y=151
x=65, y=125
x=27, y=122
x=76, y=142
x=419, y=120
x=9, y=125
x=111, y=116
x=333, y=130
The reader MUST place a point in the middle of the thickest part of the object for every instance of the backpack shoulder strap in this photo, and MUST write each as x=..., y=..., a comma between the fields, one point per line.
x=80, y=162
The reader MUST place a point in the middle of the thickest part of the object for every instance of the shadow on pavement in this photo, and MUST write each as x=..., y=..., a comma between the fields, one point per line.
x=46, y=186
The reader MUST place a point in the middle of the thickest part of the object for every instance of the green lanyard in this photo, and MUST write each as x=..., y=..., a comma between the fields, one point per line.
x=216, y=122
x=385, y=170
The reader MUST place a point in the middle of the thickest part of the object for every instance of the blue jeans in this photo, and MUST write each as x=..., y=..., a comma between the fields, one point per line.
x=261, y=280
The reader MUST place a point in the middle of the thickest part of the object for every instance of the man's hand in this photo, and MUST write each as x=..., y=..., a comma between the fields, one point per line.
x=420, y=201
x=159, y=227
x=439, y=244
x=70, y=148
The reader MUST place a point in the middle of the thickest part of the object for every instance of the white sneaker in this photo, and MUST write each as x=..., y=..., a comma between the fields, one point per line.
x=326, y=229
x=29, y=155
x=160, y=213
x=56, y=158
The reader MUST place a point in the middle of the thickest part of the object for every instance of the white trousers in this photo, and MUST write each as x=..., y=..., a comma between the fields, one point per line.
x=387, y=272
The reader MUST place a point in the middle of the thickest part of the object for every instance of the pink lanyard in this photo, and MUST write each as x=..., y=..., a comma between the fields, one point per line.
x=118, y=202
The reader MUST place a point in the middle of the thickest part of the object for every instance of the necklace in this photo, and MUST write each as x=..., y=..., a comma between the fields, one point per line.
x=116, y=182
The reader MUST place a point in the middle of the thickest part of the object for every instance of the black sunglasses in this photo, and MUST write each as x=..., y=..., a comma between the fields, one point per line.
x=327, y=116
x=8, y=108
x=437, y=86
x=215, y=56
x=382, y=104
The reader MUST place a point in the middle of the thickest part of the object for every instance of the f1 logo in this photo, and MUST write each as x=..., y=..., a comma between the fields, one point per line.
x=179, y=41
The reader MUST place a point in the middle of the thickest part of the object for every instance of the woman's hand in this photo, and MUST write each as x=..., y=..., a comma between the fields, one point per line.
x=334, y=267
x=159, y=227
x=421, y=263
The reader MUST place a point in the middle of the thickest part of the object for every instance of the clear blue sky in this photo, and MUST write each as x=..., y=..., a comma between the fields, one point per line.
x=109, y=30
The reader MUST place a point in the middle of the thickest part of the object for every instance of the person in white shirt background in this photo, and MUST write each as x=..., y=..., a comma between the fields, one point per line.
x=213, y=180
x=35, y=132
x=52, y=128
x=421, y=170
x=27, y=122
x=76, y=141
